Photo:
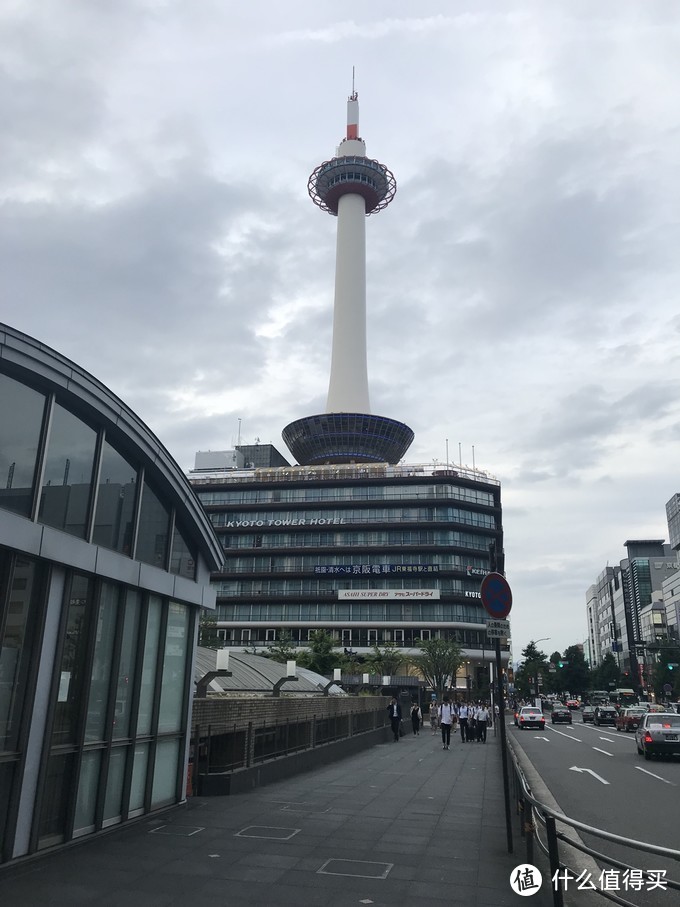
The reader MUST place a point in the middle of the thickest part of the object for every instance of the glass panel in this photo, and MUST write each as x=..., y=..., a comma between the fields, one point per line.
x=68, y=473
x=165, y=773
x=56, y=798
x=152, y=537
x=21, y=415
x=126, y=667
x=7, y=770
x=115, y=515
x=183, y=558
x=148, y=687
x=114, y=783
x=174, y=669
x=15, y=648
x=88, y=784
x=100, y=681
x=71, y=679
x=139, y=776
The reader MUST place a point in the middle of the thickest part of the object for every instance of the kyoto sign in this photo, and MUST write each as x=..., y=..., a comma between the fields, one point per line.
x=496, y=595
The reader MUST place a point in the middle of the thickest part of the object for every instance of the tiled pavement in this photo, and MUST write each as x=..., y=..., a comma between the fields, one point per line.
x=399, y=824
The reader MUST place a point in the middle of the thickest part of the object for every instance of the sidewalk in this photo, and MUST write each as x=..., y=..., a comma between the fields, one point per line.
x=399, y=824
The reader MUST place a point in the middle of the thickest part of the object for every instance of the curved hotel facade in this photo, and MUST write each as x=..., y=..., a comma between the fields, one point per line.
x=105, y=559
x=374, y=554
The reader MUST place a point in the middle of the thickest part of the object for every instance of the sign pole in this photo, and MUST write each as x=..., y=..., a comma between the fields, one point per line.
x=496, y=597
x=504, y=751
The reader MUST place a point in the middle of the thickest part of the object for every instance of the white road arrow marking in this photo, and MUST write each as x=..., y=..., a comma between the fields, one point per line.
x=602, y=751
x=575, y=768
x=665, y=780
x=542, y=738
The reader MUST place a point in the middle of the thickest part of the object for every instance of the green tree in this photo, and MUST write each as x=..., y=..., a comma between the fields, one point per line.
x=575, y=673
x=606, y=675
x=526, y=678
x=283, y=649
x=667, y=653
x=438, y=662
x=207, y=630
x=319, y=655
x=386, y=660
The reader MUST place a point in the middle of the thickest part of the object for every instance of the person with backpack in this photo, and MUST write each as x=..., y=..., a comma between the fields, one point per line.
x=447, y=716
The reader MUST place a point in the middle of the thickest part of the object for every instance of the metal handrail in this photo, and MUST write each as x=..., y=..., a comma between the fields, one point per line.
x=547, y=816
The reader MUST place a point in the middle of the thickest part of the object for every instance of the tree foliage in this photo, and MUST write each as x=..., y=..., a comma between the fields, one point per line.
x=606, y=675
x=438, y=662
x=283, y=649
x=386, y=660
x=319, y=655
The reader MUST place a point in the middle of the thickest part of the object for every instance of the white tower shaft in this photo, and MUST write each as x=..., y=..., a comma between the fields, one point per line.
x=348, y=387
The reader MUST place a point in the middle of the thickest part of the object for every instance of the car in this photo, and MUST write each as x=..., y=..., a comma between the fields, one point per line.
x=605, y=714
x=588, y=713
x=658, y=734
x=560, y=714
x=629, y=719
x=573, y=704
x=530, y=716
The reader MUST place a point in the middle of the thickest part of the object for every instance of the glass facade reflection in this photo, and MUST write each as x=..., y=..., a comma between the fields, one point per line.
x=95, y=650
x=23, y=409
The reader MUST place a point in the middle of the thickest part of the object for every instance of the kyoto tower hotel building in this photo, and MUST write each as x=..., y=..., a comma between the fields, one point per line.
x=353, y=540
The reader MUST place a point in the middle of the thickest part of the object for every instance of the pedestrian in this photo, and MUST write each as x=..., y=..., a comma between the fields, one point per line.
x=394, y=711
x=482, y=722
x=416, y=718
x=446, y=716
x=463, y=714
x=434, y=715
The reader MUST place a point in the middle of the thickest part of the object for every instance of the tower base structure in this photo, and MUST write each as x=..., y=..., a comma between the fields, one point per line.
x=347, y=438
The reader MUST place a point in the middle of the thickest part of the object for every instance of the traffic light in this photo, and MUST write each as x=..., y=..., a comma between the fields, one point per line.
x=560, y=664
x=672, y=665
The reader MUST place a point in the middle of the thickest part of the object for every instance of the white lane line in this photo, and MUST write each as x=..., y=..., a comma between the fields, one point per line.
x=602, y=751
x=568, y=736
x=658, y=777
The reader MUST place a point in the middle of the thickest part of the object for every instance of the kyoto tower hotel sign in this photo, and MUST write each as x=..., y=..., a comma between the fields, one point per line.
x=350, y=186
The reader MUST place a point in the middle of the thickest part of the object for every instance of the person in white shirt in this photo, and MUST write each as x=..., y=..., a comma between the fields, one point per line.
x=482, y=723
x=463, y=715
x=446, y=718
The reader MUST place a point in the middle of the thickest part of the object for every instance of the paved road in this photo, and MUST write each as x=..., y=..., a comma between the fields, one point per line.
x=597, y=777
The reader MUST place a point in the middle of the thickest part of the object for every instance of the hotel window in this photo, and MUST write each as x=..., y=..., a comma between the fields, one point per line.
x=270, y=636
x=245, y=635
x=399, y=636
x=21, y=417
x=373, y=637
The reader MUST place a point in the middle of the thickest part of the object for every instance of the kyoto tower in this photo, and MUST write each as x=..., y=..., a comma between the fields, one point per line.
x=350, y=186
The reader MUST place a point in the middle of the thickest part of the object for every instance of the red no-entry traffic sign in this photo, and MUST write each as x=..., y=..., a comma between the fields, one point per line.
x=496, y=595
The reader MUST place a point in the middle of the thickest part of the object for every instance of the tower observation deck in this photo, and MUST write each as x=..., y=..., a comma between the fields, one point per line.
x=350, y=186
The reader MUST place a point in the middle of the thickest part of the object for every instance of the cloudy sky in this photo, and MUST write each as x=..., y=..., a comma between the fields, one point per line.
x=522, y=288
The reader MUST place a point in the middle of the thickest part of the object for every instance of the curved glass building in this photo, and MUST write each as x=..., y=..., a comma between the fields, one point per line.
x=105, y=559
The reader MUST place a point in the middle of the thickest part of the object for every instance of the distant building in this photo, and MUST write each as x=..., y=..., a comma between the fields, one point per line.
x=616, y=601
x=105, y=560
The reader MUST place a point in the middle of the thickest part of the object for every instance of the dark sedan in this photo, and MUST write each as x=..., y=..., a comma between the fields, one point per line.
x=605, y=714
x=560, y=715
x=588, y=713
